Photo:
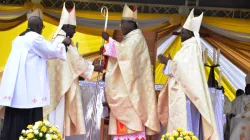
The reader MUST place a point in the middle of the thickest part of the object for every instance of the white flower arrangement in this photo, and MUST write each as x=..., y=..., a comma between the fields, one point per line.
x=42, y=130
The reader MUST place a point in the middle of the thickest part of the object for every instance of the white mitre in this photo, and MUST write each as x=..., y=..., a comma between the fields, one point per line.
x=248, y=78
x=37, y=12
x=193, y=24
x=67, y=17
x=129, y=14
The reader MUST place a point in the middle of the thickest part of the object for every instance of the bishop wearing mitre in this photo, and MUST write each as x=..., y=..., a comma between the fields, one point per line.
x=184, y=102
x=65, y=110
x=129, y=84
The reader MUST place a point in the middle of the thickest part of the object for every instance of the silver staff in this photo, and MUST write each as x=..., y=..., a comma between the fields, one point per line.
x=104, y=12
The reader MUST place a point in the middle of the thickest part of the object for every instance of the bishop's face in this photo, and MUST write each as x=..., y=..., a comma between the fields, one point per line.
x=185, y=34
x=126, y=27
x=70, y=30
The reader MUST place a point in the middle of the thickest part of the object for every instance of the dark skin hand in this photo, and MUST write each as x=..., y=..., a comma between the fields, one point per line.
x=101, y=50
x=105, y=36
x=98, y=68
x=96, y=64
x=67, y=41
x=164, y=60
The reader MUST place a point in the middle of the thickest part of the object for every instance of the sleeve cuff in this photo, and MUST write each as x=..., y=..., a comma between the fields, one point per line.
x=89, y=71
x=167, y=70
x=110, y=49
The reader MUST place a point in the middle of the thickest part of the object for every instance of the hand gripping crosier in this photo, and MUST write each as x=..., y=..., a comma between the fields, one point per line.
x=104, y=12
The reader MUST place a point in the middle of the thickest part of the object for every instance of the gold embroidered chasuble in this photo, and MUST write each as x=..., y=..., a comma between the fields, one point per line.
x=129, y=87
x=64, y=83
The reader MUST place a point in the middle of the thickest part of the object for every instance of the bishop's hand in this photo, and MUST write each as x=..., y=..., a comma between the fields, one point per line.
x=98, y=68
x=96, y=64
x=164, y=60
x=101, y=50
x=105, y=36
x=67, y=41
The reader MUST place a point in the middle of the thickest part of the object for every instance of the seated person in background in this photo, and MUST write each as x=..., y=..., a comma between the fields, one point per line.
x=240, y=125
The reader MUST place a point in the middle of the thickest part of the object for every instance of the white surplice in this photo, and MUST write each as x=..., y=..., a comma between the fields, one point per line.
x=25, y=81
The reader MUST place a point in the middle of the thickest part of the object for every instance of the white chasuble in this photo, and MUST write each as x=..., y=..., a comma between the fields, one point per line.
x=187, y=79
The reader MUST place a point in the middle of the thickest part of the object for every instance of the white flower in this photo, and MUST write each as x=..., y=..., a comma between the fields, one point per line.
x=41, y=134
x=20, y=138
x=46, y=122
x=35, y=127
x=36, y=132
x=47, y=135
x=55, y=136
x=23, y=131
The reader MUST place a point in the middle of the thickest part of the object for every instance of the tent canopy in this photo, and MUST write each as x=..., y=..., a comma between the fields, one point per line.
x=231, y=36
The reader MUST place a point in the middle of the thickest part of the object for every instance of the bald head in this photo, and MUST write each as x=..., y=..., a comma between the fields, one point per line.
x=35, y=24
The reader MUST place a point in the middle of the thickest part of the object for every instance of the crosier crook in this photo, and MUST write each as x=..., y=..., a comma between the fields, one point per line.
x=104, y=12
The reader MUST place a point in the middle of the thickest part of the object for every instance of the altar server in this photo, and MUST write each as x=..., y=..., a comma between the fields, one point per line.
x=25, y=86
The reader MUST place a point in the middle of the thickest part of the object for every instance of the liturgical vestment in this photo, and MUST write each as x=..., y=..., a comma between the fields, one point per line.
x=25, y=80
x=25, y=86
x=240, y=124
x=129, y=86
x=240, y=127
x=187, y=79
x=65, y=110
x=238, y=105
